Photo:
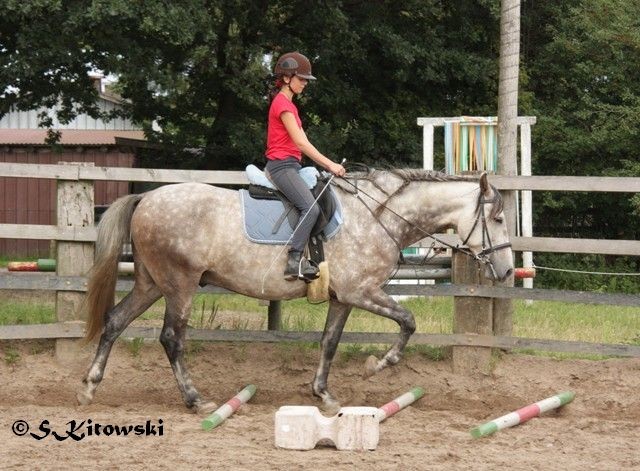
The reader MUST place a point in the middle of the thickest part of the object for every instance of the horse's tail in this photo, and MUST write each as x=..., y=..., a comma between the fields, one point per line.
x=113, y=232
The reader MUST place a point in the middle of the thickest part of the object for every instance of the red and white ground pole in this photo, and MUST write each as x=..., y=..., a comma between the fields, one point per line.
x=522, y=415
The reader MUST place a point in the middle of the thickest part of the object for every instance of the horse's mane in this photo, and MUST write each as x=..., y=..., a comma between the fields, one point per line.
x=411, y=175
x=417, y=174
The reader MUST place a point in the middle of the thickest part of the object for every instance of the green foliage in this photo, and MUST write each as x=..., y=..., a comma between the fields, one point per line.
x=205, y=317
x=135, y=345
x=194, y=347
x=26, y=312
x=629, y=284
x=11, y=356
x=429, y=352
x=198, y=68
x=353, y=351
x=583, y=69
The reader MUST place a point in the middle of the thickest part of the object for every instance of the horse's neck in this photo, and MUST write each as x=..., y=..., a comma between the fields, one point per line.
x=429, y=207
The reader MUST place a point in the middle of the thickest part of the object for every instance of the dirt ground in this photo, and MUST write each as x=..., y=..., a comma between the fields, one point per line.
x=600, y=429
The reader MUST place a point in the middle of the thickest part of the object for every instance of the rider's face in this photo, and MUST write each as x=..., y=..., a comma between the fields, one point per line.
x=297, y=84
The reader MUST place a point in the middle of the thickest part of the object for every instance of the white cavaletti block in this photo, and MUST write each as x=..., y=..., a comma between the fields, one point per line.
x=302, y=427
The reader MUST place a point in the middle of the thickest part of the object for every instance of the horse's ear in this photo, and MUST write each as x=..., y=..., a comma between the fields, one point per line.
x=484, y=184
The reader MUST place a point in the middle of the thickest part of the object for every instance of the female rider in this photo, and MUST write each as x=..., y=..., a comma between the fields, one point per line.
x=286, y=142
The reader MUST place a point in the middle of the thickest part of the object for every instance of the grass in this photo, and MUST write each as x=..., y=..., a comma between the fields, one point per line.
x=204, y=317
x=135, y=345
x=11, y=356
x=542, y=319
x=26, y=312
x=588, y=323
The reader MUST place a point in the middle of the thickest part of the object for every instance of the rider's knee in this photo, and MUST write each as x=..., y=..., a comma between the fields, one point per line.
x=313, y=212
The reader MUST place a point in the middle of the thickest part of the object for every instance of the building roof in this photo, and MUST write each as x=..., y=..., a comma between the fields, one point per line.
x=69, y=137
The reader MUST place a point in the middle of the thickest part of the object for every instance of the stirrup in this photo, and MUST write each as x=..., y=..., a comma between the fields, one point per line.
x=310, y=272
x=300, y=268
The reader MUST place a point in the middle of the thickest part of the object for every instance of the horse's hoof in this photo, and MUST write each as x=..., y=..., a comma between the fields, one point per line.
x=330, y=407
x=84, y=399
x=370, y=367
x=204, y=408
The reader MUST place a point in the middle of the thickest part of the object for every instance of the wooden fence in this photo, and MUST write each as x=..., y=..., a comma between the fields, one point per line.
x=76, y=233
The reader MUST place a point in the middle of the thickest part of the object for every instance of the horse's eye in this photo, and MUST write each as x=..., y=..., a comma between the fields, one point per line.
x=499, y=220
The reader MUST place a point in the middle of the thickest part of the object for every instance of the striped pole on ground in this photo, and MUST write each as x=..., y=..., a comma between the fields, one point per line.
x=232, y=405
x=522, y=415
x=390, y=408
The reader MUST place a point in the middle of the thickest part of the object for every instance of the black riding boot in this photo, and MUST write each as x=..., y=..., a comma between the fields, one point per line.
x=299, y=268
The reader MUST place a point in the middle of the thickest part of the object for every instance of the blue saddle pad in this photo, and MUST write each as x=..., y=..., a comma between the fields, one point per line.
x=260, y=217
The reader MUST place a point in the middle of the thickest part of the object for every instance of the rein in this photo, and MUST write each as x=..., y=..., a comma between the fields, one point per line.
x=482, y=256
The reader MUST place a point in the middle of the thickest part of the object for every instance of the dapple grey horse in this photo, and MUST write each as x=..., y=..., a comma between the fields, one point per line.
x=187, y=234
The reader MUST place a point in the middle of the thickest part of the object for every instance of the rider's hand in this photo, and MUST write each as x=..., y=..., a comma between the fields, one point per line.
x=337, y=169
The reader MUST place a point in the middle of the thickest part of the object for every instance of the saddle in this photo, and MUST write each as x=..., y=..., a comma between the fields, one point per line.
x=317, y=183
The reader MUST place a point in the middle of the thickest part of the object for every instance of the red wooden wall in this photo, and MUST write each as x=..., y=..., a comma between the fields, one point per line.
x=33, y=200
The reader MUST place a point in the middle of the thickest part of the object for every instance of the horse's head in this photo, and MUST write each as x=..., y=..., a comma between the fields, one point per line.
x=484, y=230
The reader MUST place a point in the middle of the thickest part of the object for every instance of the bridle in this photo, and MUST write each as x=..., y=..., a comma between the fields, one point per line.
x=487, y=246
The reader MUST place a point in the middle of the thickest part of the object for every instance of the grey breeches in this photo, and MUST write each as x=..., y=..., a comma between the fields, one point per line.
x=284, y=175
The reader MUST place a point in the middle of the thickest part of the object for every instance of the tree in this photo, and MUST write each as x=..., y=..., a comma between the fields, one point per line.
x=585, y=76
x=582, y=60
x=198, y=67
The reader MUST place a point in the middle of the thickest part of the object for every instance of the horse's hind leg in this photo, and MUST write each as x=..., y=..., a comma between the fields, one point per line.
x=173, y=340
x=378, y=302
x=336, y=319
x=143, y=295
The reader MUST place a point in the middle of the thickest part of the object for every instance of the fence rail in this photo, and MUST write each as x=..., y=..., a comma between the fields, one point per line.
x=231, y=177
x=49, y=281
x=533, y=244
x=74, y=330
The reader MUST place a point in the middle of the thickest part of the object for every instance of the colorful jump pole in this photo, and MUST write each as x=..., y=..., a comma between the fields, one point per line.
x=525, y=272
x=228, y=408
x=22, y=266
x=522, y=415
x=399, y=403
x=43, y=264
x=49, y=264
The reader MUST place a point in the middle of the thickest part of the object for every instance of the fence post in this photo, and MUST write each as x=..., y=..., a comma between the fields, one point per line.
x=427, y=146
x=527, y=199
x=471, y=315
x=75, y=201
x=273, y=315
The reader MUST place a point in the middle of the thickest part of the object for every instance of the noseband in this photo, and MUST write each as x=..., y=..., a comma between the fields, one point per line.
x=487, y=246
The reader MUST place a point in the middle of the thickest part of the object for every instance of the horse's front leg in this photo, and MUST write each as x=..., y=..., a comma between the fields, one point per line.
x=336, y=319
x=378, y=302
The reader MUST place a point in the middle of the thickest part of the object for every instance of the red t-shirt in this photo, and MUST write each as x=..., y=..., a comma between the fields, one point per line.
x=279, y=143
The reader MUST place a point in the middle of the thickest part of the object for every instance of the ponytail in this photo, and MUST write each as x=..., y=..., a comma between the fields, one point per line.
x=275, y=88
